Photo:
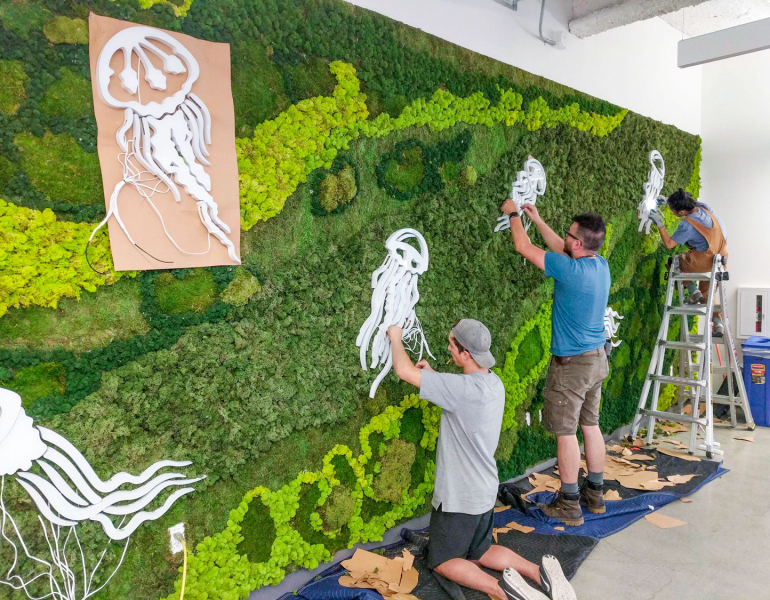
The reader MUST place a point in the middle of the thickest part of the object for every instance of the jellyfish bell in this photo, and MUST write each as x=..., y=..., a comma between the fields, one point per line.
x=139, y=41
x=406, y=255
x=20, y=441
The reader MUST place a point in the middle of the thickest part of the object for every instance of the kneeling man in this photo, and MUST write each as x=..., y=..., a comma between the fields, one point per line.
x=465, y=491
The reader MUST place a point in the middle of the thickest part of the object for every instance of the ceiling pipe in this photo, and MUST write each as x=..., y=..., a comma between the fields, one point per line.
x=540, y=29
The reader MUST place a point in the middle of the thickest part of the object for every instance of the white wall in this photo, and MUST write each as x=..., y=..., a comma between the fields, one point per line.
x=632, y=66
x=735, y=172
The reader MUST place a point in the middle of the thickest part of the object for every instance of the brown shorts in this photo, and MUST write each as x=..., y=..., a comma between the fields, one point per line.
x=573, y=392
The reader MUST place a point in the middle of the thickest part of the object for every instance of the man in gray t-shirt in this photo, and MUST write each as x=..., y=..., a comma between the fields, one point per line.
x=465, y=491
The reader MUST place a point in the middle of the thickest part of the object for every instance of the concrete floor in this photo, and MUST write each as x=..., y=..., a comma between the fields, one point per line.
x=722, y=552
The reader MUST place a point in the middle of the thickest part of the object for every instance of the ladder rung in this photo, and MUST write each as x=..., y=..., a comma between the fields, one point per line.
x=695, y=338
x=721, y=399
x=672, y=416
x=694, y=346
x=687, y=310
x=679, y=380
x=720, y=369
x=691, y=276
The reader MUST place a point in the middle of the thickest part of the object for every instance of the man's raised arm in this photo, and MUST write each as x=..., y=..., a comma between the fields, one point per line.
x=552, y=239
x=521, y=241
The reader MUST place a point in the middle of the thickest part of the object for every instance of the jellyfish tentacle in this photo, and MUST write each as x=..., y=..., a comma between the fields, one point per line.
x=116, y=480
x=43, y=507
x=122, y=533
x=60, y=484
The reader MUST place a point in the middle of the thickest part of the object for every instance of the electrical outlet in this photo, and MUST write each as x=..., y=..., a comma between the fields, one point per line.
x=177, y=536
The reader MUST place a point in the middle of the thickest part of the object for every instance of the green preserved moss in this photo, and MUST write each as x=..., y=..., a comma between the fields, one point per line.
x=12, y=80
x=60, y=169
x=70, y=97
x=63, y=30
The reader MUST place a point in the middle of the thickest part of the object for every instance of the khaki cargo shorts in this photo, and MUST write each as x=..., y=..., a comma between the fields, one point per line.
x=573, y=392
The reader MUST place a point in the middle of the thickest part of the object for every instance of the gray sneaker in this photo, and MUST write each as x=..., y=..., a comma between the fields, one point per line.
x=695, y=298
x=554, y=581
x=516, y=588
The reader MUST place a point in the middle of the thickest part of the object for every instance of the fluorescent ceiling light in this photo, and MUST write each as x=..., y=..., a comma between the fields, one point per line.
x=727, y=43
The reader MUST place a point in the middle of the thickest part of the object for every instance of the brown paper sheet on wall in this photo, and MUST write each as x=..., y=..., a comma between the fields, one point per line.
x=182, y=220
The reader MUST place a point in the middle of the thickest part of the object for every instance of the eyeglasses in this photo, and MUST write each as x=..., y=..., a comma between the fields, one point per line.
x=568, y=233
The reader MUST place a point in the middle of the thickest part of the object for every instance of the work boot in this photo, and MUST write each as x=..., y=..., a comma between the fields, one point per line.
x=695, y=298
x=565, y=508
x=591, y=497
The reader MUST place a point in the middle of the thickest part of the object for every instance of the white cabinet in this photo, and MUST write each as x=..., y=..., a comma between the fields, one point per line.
x=753, y=305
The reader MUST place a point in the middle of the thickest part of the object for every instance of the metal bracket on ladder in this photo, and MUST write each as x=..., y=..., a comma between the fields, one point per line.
x=695, y=376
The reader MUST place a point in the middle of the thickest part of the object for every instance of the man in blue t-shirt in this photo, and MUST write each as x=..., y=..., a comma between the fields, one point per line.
x=579, y=363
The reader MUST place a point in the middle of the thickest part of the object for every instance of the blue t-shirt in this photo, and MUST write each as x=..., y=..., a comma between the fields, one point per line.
x=686, y=234
x=580, y=296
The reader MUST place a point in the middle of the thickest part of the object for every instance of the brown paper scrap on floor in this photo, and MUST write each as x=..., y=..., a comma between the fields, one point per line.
x=663, y=521
x=522, y=528
x=559, y=528
x=745, y=439
x=681, y=455
x=640, y=457
x=408, y=559
x=393, y=578
x=501, y=508
x=612, y=495
x=626, y=452
x=685, y=500
x=656, y=485
x=616, y=448
x=497, y=530
x=638, y=443
x=679, y=478
x=642, y=480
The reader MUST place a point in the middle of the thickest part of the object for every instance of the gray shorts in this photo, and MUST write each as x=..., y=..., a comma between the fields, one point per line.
x=573, y=392
x=458, y=535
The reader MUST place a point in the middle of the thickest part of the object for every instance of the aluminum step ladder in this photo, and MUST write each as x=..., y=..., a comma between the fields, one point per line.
x=695, y=363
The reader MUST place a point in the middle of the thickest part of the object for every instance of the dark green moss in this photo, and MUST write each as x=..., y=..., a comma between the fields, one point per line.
x=258, y=531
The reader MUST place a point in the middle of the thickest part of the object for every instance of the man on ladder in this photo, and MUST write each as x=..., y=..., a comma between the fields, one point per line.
x=703, y=232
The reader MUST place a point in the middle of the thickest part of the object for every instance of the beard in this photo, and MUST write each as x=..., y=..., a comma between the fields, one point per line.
x=568, y=251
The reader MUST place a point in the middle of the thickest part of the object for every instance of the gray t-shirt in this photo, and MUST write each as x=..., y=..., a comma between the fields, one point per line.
x=686, y=234
x=471, y=419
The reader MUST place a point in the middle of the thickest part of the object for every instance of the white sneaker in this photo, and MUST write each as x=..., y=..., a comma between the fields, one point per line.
x=516, y=588
x=553, y=580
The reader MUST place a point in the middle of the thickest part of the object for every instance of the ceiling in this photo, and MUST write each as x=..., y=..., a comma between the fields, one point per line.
x=715, y=15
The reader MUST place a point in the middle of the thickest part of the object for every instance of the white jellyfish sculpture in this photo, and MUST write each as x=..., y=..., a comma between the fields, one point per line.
x=651, y=191
x=529, y=184
x=66, y=492
x=163, y=144
x=611, y=327
x=394, y=298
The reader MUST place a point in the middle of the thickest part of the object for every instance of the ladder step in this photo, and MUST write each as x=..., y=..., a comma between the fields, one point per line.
x=721, y=399
x=690, y=276
x=694, y=346
x=687, y=310
x=676, y=418
x=679, y=380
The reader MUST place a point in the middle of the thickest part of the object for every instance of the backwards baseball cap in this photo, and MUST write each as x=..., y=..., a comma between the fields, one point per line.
x=476, y=339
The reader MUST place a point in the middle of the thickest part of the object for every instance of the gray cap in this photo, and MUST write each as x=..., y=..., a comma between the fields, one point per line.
x=476, y=339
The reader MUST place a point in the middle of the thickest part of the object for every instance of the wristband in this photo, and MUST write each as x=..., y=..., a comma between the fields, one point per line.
x=513, y=214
